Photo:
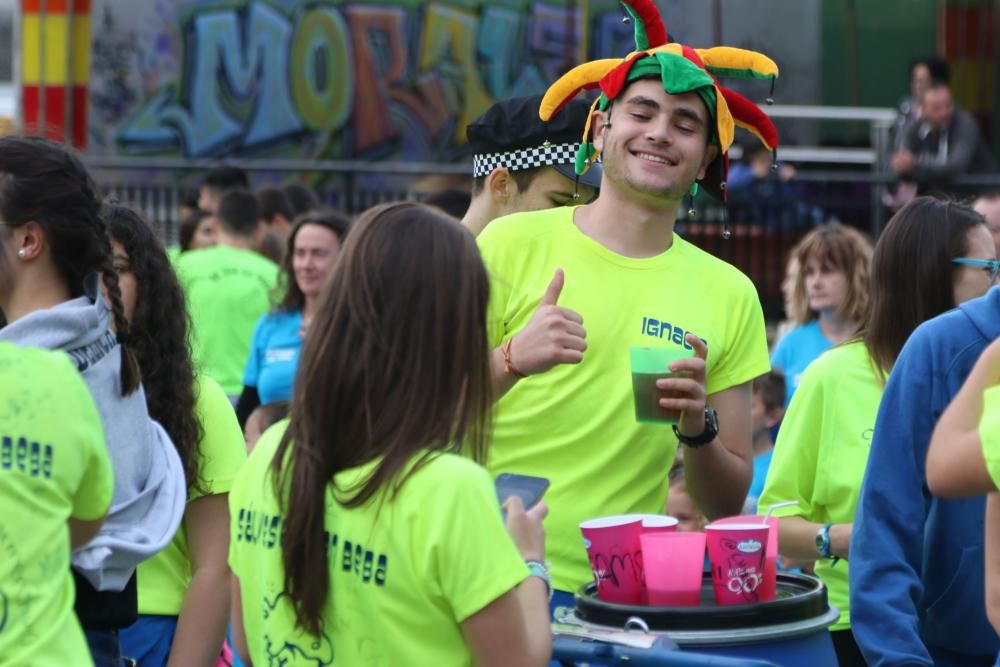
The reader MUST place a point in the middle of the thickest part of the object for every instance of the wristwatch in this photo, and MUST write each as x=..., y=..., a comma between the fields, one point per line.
x=823, y=541
x=707, y=436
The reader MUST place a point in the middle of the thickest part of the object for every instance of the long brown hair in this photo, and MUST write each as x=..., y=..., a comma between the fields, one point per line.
x=396, y=367
x=912, y=273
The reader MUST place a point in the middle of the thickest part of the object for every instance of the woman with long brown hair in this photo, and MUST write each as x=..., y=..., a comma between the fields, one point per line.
x=824, y=442
x=359, y=531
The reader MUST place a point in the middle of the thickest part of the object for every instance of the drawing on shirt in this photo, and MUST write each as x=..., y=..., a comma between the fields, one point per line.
x=317, y=651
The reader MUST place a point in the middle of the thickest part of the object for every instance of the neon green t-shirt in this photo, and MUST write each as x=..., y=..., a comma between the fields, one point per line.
x=163, y=579
x=822, y=450
x=54, y=465
x=405, y=571
x=227, y=291
x=989, y=432
x=575, y=424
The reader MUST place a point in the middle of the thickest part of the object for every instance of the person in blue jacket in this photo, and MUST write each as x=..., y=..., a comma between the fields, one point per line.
x=916, y=560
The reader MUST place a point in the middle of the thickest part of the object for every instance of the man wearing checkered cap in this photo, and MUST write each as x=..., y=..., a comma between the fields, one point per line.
x=521, y=163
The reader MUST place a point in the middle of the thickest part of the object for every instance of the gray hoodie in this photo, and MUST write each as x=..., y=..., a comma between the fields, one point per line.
x=150, y=491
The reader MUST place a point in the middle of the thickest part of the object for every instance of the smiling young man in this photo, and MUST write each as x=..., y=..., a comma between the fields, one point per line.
x=521, y=163
x=574, y=288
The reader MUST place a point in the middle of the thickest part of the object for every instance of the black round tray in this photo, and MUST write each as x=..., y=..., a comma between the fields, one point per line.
x=800, y=597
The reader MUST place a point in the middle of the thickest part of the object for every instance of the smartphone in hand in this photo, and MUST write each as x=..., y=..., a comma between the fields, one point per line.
x=529, y=489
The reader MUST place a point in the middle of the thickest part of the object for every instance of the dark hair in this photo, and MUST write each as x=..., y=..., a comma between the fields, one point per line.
x=377, y=380
x=189, y=198
x=523, y=178
x=912, y=273
x=274, y=202
x=44, y=182
x=272, y=246
x=160, y=327
x=189, y=227
x=937, y=85
x=301, y=197
x=937, y=68
x=771, y=388
x=292, y=298
x=453, y=201
x=270, y=413
x=239, y=213
x=224, y=179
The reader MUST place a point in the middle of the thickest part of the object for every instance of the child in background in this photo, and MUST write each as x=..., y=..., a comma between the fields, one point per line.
x=679, y=503
x=766, y=410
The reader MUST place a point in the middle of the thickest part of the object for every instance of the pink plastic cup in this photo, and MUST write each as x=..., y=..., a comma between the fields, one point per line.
x=674, y=563
x=615, y=557
x=655, y=523
x=769, y=586
x=737, y=552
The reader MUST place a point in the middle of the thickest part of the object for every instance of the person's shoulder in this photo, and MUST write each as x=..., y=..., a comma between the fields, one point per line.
x=209, y=395
x=800, y=334
x=279, y=319
x=447, y=474
x=714, y=270
x=526, y=226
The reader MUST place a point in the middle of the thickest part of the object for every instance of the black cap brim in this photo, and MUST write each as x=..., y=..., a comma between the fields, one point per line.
x=591, y=177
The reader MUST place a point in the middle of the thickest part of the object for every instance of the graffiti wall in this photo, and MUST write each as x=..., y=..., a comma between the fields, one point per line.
x=370, y=79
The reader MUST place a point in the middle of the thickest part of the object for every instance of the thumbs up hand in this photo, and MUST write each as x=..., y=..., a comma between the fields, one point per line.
x=554, y=335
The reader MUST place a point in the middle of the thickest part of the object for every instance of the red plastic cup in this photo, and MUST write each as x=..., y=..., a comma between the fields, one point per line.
x=615, y=557
x=769, y=586
x=737, y=552
x=673, y=567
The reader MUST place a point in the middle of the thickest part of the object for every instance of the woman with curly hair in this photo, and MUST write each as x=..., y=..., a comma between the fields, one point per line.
x=54, y=257
x=184, y=589
x=313, y=247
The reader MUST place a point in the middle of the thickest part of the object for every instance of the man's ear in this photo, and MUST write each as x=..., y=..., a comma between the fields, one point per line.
x=774, y=416
x=598, y=125
x=501, y=185
x=710, y=154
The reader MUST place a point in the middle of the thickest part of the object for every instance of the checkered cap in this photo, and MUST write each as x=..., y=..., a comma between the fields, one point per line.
x=529, y=158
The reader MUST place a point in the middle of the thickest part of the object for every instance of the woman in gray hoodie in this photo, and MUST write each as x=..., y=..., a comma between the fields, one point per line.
x=54, y=254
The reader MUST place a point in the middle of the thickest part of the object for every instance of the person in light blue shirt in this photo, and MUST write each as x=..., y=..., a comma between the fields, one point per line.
x=828, y=300
x=767, y=407
x=313, y=247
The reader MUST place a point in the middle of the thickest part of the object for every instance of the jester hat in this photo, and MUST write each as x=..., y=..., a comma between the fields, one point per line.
x=682, y=69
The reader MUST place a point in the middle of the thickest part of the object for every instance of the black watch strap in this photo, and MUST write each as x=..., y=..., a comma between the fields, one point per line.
x=706, y=436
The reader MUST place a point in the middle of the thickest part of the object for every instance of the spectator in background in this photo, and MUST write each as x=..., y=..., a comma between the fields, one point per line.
x=276, y=213
x=823, y=445
x=302, y=198
x=522, y=163
x=313, y=248
x=452, y=201
x=942, y=145
x=227, y=290
x=184, y=589
x=828, y=299
x=792, y=270
x=679, y=503
x=198, y=230
x=923, y=73
x=189, y=202
x=53, y=500
x=988, y=206
x=262, y=418
x=217, y=183
x=767, y=407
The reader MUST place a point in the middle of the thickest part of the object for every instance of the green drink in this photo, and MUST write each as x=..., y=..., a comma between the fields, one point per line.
x=650, y=364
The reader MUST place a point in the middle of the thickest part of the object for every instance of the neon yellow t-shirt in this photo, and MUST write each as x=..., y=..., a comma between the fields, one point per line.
x=163, y=579
x=989, y=432
x=404, y=571
x=822, y=450
x=54, y=465
x=575, y=424
x=227, y=291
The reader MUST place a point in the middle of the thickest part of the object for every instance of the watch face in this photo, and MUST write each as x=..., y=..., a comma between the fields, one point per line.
x=819, y=541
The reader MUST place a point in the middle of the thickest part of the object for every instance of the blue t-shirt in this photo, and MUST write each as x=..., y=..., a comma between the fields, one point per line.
x=796, y=350
x=760, y=465
x=274, y=356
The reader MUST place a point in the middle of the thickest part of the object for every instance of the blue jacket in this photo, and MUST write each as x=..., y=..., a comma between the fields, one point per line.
x=917, y=590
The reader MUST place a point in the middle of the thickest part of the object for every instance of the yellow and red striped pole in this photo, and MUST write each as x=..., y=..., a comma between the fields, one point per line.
x=55, y=57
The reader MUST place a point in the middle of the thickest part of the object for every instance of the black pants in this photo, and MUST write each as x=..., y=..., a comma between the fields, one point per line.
x=848, y=653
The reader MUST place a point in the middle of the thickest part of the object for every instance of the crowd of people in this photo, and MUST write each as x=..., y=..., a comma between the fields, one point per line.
x=279, y=439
